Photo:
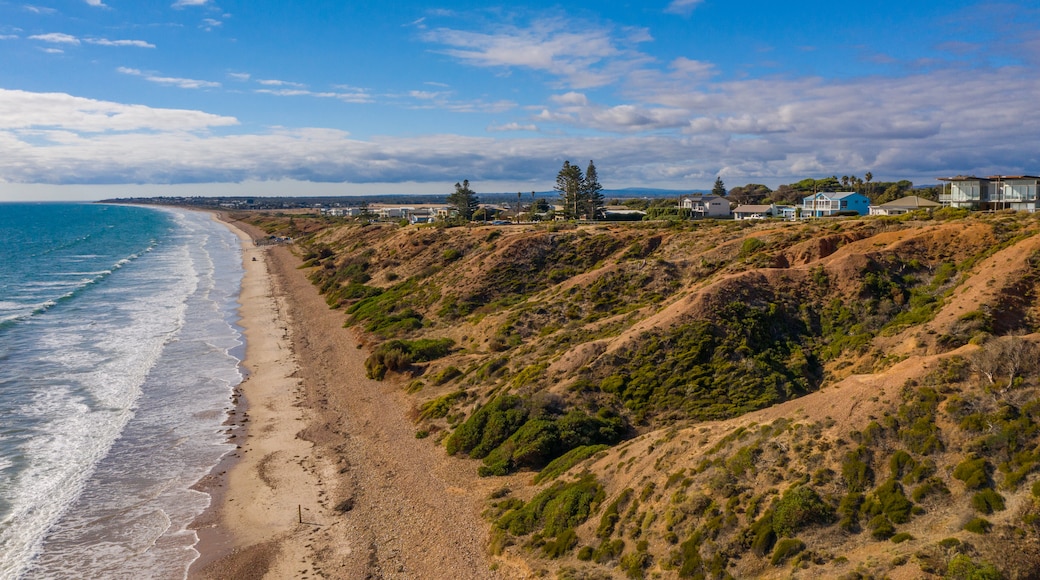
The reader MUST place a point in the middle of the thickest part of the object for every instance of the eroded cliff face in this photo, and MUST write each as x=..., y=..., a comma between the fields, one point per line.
x=718, y=398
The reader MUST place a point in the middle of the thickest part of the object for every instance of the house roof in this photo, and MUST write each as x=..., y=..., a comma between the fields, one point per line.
x=910, y=201
x=752, y=208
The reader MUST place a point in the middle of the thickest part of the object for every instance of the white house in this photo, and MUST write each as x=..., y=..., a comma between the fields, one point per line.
x=904, y=205
x=706, y=206
x=1017, y=192
x=827, y=203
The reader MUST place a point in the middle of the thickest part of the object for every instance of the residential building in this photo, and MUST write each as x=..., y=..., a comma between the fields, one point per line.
x=828, y=203
x=754, y=212
x=711, y=206
x=1015, y=192
x=904, y=205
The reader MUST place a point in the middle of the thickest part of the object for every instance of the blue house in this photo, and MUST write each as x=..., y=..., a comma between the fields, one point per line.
x=828, y=203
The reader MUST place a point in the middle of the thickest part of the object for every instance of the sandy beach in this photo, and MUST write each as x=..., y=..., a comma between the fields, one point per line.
x=329, y=480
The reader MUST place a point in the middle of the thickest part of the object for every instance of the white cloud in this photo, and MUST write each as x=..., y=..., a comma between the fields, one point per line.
x=583, y=54
x=211, y=23
x=39, y=9
x=56, y=38
x=169, y=81
x=8, y=36
x=107, y=42
x=684, y=7
x=97, y=3
x=24, y=110
x=240, y=76
x=349, y=95
x=427, y=95
x=279, y=83
x=512, y=127
x=185, y=3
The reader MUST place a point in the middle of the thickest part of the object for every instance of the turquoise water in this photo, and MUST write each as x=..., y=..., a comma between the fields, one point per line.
x=118, y=352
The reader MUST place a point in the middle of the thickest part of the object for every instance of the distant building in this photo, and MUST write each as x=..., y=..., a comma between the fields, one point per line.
x=754, y=212
x=828, y=203
x=1016, y=192
x=904, y=205
x=706, y=206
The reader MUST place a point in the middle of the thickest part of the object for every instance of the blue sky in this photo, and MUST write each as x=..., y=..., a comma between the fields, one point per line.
x=103, y=97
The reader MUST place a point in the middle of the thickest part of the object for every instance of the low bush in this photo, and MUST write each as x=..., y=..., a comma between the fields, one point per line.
x=398, y=355
x=978, y=526
x=974, y=472
x=785, y=549
x=987, y=501
x=800, y=507
x=881, y=528
x=555, y=510
x=561, y=464
x=893, y=502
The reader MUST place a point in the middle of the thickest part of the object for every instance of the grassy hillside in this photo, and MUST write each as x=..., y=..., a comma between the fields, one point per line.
x=851, y=398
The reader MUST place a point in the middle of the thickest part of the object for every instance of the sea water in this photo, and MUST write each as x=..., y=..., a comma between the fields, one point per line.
x=119, y=351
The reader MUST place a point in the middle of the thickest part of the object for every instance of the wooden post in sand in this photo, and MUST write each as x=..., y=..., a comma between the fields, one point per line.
x=299, y=511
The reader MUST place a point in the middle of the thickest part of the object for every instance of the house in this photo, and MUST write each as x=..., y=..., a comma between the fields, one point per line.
x=711, y=206
x=753, y=212
x=827, y=203
x=904, y=205
x=1016, y=192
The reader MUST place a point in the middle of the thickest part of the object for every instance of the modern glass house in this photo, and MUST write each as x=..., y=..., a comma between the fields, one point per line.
x=996, y=192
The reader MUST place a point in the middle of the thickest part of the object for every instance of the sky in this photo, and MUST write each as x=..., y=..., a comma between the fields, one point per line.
x=103, y=98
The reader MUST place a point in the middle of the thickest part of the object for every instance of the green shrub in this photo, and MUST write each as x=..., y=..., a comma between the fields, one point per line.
x=1036, y=488
x=931, y=486
x=961, y=567
x=987, y=501
x=978, y=526
x=585, y=553
x=881, y=528
x=848, y=511
x=750, y=246
x=488, y=427
x=893, y=502
x=855, y=470
x=799, y=507
x=563, y=543
x=901, y=463
x=561, y=464
x=608, y=550
x=760, y=536
x=634, y=564
x=398, y=355
x=444, y=375
x=974, y=472
x=785, y=549
x=440, y=407
x=901, y=537
x=556, y=509
x=611, y=515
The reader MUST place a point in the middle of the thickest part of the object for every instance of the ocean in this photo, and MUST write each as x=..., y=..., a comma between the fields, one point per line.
x=119, y=352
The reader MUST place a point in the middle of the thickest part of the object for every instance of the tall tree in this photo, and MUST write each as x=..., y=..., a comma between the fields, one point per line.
x=592, y=192
x=464, y=201
x=569, y=185
x=720, y=188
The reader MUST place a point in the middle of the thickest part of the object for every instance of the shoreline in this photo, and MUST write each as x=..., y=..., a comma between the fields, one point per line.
x=324, y=442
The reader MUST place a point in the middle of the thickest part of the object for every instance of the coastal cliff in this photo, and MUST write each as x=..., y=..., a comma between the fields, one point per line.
x=853, y=398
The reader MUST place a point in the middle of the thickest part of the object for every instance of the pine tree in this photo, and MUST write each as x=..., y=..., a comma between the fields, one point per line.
x=592, y=192
x=719, y=189
x=464, y=201
x=569, y=184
